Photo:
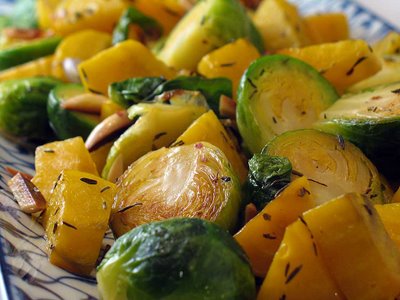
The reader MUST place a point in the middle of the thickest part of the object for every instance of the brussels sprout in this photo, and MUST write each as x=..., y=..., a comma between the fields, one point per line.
x=209, y=25
x=27, y=51
x=277, y=94
x=267, y=176
x=157, y=125
x=333, y=166
x=176, y=259
x=132, y=16
x=136, y=90
x=370, y=120
x=65, y=123
x=188, y=181
x=23, y=104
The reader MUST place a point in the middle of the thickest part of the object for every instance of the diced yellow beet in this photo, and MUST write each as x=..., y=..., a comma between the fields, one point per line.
x=207, y=128
x=229, y=61
x=327, y=28
x=343, y=63
x=45, y=10
x=261, y=236
x=90, y=43
x=390, y=216
x=125, y=60
x=74, y=15
x=356, y=249
x=389, y=45
x=389, y=73
x=298, y=271
x=99, y=156
x=52, y=158
x=37, y=67
x=280, y=25
x=79, y=211
x=109, y=108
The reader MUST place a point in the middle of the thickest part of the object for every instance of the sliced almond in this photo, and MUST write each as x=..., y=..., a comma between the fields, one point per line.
x=14, y=172
x=109, y=129
x=117, y=169
x=227, y=107
x=86, y=103
x=27, y=194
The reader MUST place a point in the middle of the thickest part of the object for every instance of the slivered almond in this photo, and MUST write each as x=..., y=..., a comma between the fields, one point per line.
x=117, y=169
x=87, y=103
x=109, y=129
x=27, y=194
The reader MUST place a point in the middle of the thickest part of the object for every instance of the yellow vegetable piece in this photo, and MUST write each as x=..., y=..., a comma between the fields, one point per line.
x=125, y=60
x=208, y=128
x=52, y=158
x=389, y=214
x=79, y=211
x=343, y=63
x=109, y=108
x=37, y=67
x=45, y=10
x=79, y=46
x=166, y=12
x=356, y=249
x=74, y=15
x=389, y=73
x=99, y=156
x=280, y=25
x=396, y=196
x=389, y=45
x=261, y=236
x=327, y=28
x=298, y=271
x=229, y=61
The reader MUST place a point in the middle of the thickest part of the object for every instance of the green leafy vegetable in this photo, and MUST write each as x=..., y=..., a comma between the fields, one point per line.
x=267, y=176
x=132, y=16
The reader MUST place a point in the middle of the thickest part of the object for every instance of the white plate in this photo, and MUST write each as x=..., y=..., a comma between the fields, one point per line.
x=25, y=272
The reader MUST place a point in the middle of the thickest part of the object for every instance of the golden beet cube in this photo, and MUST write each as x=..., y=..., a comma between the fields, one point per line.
x=79, y=210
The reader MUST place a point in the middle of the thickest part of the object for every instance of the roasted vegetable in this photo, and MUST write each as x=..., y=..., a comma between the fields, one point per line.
x=389, y=73
x=277, y=94
x=280, y=25
x=334, y=166
x=136, y=90
x=176, y=259
x=67, y=122
x=52, y=158
x=38, y=67
x=144, y=24
x=370, y=120
x=157, y=125
x=229, y=61
x=261, y=236
x=23, y=107
x=68, y=56
x=388, y=45
x=327, y=28
x=125, y=60
x=187, y=181
x=208, y=128
x=209, y=25
x=29, y=199
x=354, y=244
x=343, y=63
x=268, y=175
x=298, y=270
x=24, y=52
x=389, y=215
x=79, y=209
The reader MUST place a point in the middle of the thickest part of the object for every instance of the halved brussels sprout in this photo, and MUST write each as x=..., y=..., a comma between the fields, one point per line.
x=333, y=166
x=209, y=25
x=157, y=125
x=370, y=120
x=176, y=259
x=23, y=105
x=188, y=181
x=277, y=94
